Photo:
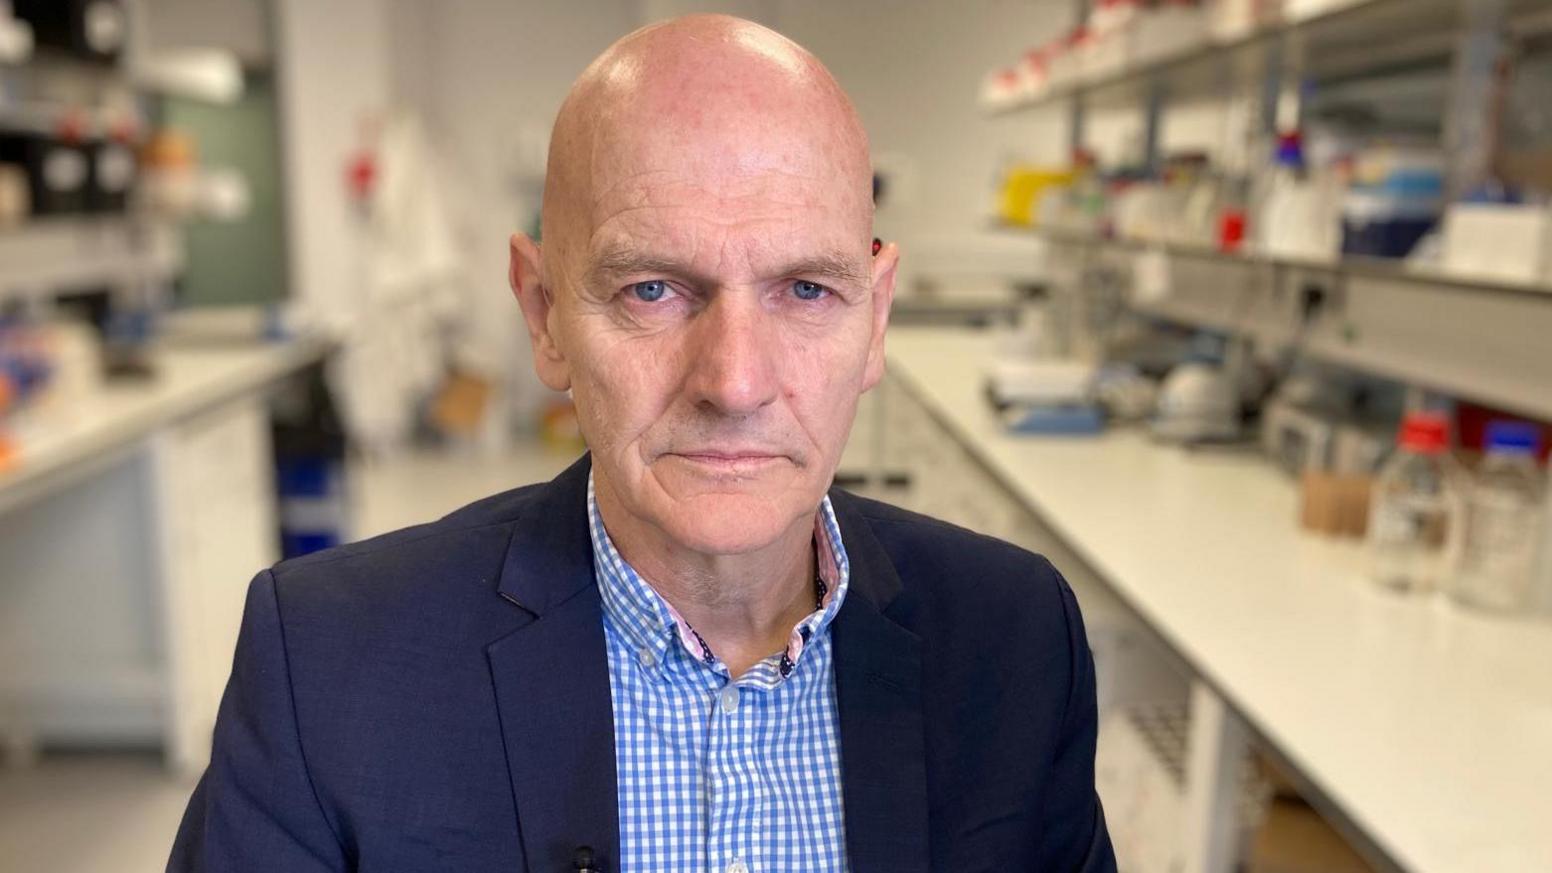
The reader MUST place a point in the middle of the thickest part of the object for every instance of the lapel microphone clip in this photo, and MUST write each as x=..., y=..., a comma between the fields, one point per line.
x=582, y=860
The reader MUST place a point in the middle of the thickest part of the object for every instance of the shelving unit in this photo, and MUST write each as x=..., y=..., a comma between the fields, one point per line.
x=1333, y=39
x=75, y=252
x=1346, y=267
x=51, y=90
x=1479, y=340
x=1474, y=337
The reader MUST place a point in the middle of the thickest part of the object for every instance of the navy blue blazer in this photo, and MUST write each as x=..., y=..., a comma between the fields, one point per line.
x=438, y=699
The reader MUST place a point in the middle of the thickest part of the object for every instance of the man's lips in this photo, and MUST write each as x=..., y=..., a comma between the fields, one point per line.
x=731, y=460
x=729, y=456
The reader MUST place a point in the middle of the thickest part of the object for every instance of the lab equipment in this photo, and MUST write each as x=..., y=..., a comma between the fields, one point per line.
x=1416, y=508
x=1395, y=200
x=1508, y=241
x=93, y=30
x=58, y=170
x=1045, y=396
x=1300, y=215
x=1297, y=438
x=1073, y=420
x=1503, y=517
x=16, y=38
x=1541, y=583
x=1198, y=403
x=113, y=172
x=1041, y=382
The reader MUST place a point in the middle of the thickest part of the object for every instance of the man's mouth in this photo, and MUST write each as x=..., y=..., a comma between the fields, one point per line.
x=730, y=461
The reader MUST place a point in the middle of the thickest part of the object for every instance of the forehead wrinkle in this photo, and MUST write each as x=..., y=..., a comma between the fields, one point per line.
x=709, y=207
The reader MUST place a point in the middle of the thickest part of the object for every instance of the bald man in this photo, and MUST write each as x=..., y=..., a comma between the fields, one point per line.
x=687, y=652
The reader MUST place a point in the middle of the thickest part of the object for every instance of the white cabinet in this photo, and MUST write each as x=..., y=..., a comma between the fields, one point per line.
x=121, y=594
x=215, y=477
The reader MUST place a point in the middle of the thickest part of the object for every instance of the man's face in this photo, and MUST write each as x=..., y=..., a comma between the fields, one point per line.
x=719, y=311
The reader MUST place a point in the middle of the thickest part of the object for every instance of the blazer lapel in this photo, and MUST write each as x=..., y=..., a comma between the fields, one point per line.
x=551, y=680
x=878, y=692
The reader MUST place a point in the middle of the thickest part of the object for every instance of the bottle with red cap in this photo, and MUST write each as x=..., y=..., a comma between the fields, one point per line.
x=1415, y=513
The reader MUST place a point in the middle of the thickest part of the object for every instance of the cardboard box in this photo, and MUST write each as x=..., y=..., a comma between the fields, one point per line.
x=1295, y=839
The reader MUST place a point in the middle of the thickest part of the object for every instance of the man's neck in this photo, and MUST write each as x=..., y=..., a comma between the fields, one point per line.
x=744, y=606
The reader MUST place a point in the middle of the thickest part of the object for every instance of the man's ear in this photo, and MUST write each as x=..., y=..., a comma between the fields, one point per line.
x=526, y=276
x=884, y=266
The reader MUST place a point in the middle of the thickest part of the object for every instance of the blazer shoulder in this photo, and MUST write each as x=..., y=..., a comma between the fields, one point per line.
x=977, y=597
x=462, y=550
x=495, y=510
x=916, y=533
x=941, y=559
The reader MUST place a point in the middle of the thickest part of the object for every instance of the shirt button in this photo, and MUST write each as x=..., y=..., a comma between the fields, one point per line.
x=729, y=697
x=737, y=866
x=647, y=658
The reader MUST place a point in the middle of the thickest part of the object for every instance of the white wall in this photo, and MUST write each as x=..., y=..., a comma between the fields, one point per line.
x=763, y=11
x=914, y=68
x=332, y=69
x=240, y=26
x=488, y=76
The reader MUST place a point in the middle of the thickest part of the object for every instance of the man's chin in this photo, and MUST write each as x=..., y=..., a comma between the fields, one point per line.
x=728, y=523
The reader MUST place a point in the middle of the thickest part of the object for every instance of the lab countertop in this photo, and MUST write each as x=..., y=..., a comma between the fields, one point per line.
x=1426, y=726
x=188, y=380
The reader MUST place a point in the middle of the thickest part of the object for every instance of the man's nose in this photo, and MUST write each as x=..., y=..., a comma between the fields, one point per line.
x=733, y=355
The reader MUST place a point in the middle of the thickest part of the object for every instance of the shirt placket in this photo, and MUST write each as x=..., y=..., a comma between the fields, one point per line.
x=738, y=798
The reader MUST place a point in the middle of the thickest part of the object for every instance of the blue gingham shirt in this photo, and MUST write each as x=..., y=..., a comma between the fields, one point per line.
x=719, y=774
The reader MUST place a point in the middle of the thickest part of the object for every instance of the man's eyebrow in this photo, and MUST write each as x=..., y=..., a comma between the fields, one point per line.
x=629, y=261
x=834, y=266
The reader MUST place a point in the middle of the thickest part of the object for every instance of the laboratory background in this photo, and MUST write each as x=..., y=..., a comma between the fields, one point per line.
x=1240, y=311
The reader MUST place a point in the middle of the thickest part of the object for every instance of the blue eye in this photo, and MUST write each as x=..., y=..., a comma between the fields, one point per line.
x=649, y=292
x=808, y=290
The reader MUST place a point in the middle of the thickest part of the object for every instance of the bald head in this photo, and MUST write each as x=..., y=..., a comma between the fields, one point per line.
x=706, y=101
x=706, y=287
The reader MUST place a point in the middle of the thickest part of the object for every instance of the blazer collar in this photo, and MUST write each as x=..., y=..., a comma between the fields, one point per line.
x=551, y=681
x=878, y=690
x=872, y=572
x=549, y=559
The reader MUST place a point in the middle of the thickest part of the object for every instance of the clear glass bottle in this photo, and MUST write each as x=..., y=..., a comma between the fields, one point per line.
x=1541, y=594
x=1414, y=515
x=1504, y=509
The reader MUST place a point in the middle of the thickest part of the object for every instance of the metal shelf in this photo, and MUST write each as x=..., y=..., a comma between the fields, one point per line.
x=1346, y=39
x=59, y=254
x=1382, y=269
x=1423, y=327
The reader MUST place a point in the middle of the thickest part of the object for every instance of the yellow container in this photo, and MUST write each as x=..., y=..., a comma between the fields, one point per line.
x=1018, y=202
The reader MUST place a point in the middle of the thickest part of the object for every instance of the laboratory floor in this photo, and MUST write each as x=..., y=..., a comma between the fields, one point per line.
x=116, y=812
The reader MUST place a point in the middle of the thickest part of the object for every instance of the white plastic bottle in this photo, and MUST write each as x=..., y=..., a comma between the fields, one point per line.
x=1414, y=516
x=1501, y=548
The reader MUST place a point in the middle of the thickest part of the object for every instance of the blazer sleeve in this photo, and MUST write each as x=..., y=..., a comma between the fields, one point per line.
x=1074, y=834
x=255, y=808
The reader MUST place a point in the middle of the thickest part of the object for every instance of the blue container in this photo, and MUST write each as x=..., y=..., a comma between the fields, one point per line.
x=314, y=510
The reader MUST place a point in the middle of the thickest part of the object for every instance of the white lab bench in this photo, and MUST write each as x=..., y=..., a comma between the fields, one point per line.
x=1422, y=730
x=128, y=533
